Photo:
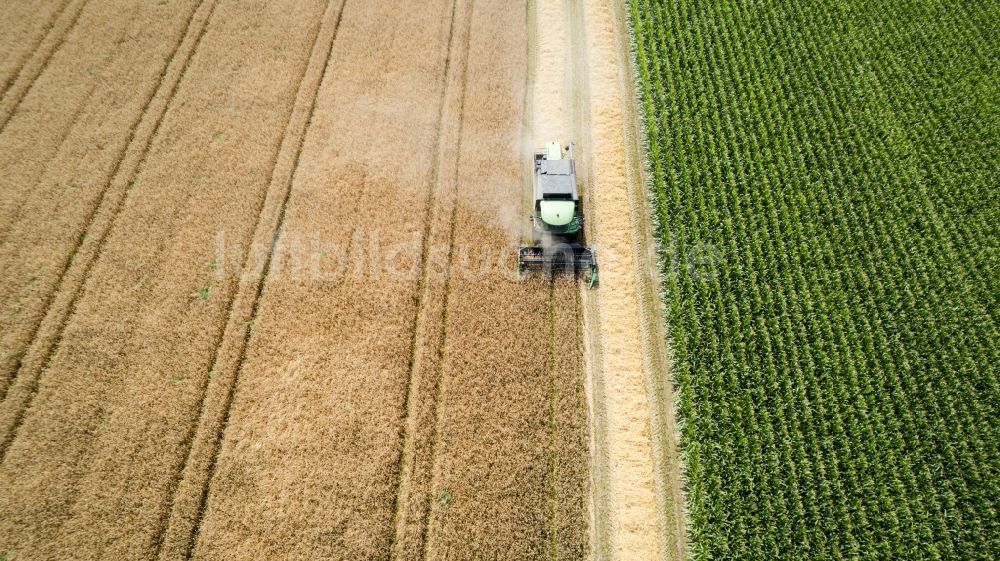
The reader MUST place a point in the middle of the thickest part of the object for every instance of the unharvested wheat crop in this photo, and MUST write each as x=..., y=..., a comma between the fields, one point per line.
x=174, y=386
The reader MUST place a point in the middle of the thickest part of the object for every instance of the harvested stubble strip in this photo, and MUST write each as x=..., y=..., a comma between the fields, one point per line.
x=550, y=116
x=24, y=25
x=92, y=468
x=309, y=462
x=493, y=482
x=59, y=188
x=638, y=504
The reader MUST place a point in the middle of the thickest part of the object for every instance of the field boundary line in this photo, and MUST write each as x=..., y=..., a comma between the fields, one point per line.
x=13, y=94
x=63, y=300
x=183, y=513
x=406, y=459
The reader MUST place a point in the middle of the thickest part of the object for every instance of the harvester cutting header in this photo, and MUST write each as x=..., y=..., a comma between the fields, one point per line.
x=557, y=218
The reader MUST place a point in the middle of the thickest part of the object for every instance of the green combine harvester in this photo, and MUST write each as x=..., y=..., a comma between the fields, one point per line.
x=557, y=219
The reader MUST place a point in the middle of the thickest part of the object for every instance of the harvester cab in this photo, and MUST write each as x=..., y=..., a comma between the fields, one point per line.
x=557, y=218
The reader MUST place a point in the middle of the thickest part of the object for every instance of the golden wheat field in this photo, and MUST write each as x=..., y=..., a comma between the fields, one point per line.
x=259, y=298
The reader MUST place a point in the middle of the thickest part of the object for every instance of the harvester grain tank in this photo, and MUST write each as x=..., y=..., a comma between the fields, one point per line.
x=557, y=230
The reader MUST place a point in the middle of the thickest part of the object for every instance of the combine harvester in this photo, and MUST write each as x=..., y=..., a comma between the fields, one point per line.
x=557, y=219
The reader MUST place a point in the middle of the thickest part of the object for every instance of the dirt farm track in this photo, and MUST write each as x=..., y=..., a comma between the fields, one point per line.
x=257, y=287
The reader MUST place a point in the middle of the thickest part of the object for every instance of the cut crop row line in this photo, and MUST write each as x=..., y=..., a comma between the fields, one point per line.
x=61, y=304
x=577, y=99
x=569, y=444
x=527, y=108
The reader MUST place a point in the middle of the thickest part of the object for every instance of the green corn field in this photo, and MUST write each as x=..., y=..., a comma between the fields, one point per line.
x=826, y=180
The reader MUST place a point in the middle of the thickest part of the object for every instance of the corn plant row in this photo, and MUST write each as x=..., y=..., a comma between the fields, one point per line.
x=825, y=177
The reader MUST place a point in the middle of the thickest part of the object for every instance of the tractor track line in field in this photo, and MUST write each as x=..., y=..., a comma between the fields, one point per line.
x=6, y=117
x=279, y=191
x=72, y=279
x=439, y=382
x=16, y=88
x=46, y=30
x=296, y=137
x=439, y=391
x=416, y=342
x=5, y=385
x=23, y=201
x=78, y=112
